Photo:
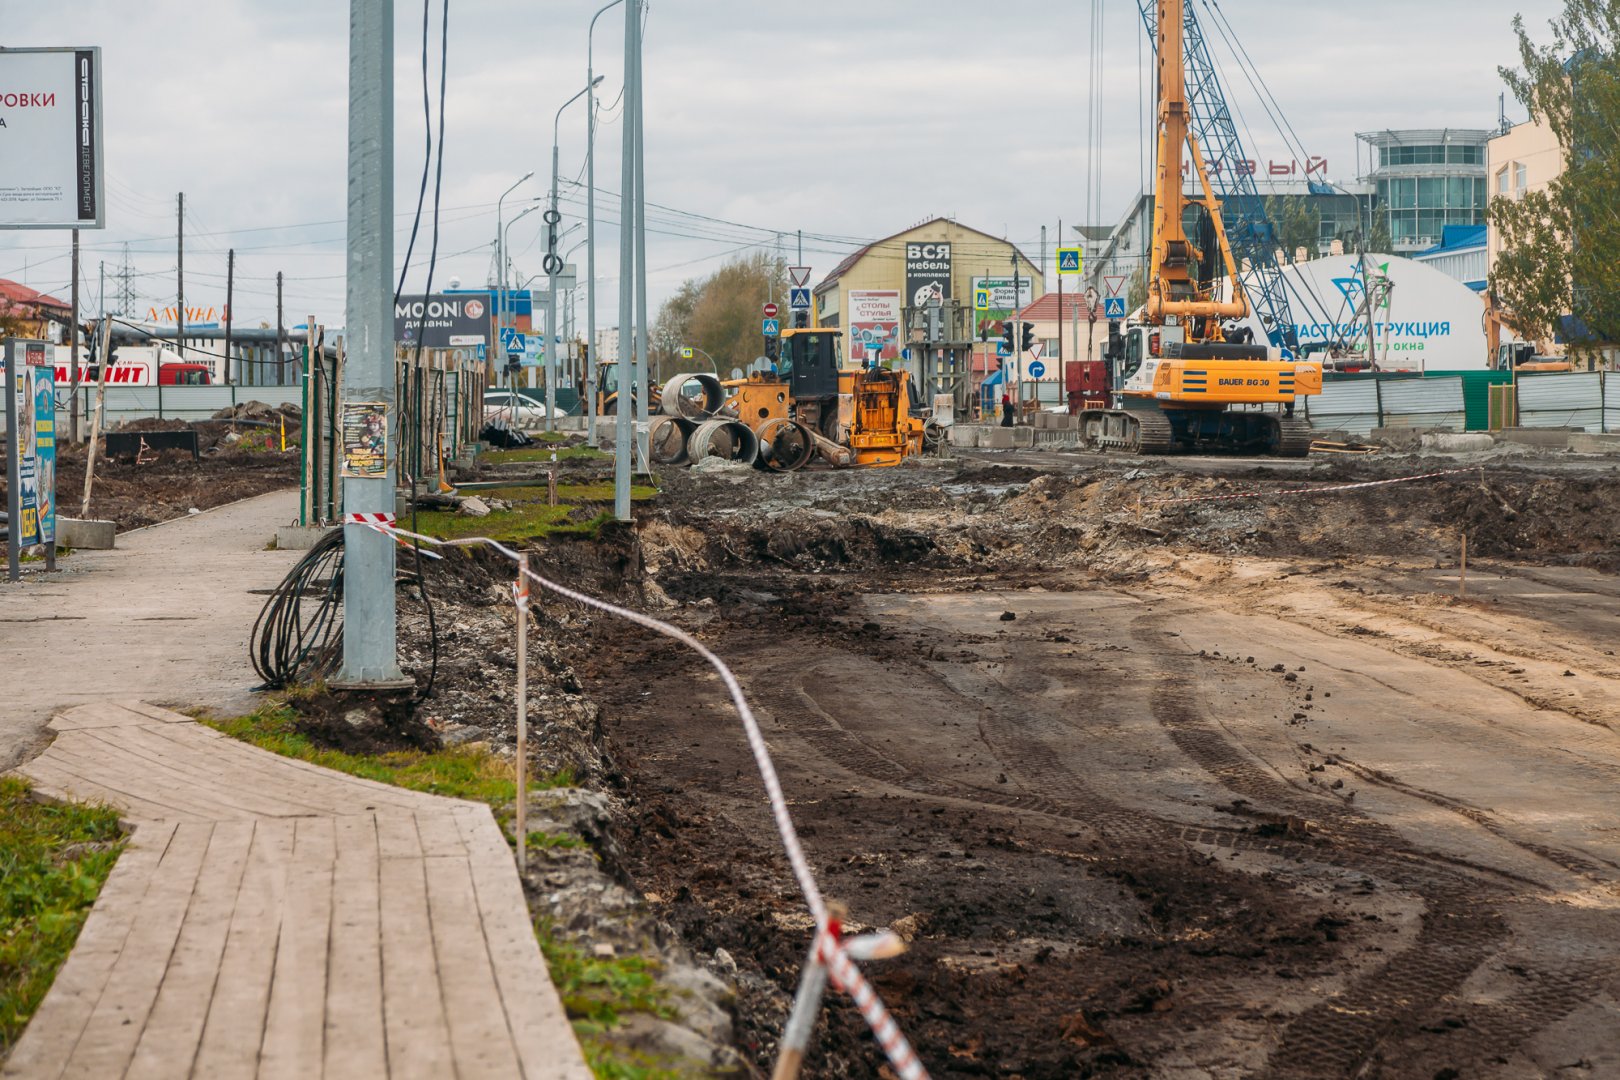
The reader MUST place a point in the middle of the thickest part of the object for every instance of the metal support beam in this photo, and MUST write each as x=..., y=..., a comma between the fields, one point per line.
x=370, y=657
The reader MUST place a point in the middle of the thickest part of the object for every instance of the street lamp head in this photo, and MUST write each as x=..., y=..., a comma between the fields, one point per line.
x=597, y=81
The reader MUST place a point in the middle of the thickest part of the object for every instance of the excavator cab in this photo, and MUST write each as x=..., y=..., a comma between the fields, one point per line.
x=808, y=362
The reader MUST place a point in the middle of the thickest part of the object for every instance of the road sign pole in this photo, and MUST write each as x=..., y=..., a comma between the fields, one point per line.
x=370, y=658
x=624, y=419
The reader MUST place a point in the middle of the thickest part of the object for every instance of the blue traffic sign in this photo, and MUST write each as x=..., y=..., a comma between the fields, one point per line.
x=1114, y=307
x=772, y=327
x=1002, y=350
x=1069, y=261
x=480, y=353
x=798, y=298
x=1037, y=370
x=513, y=342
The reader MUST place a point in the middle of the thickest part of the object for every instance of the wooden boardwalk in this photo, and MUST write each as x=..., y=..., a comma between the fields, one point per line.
x=270, y=918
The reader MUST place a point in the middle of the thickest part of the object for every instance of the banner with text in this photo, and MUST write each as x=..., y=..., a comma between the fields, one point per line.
x=874, y=323
x=928, y=272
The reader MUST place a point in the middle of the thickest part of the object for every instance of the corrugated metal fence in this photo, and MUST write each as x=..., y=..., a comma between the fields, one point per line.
x=1457, y=401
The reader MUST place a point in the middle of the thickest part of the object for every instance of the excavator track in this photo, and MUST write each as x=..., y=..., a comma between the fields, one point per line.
x=1129, y=431
x=1296, y=437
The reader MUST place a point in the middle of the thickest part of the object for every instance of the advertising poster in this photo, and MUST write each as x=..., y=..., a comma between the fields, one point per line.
x=928, y=272
x=43, y=417
x=50, y=139
x=874, y=324
x=365, y=439
x=443, y=320
x=31, y=443
x=987, y=324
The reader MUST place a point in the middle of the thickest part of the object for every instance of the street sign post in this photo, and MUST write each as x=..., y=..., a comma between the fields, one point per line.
x=772, y=327
x=1113, y=307
x=513, y=343
x=1115, y=285
x=1037, y=370
x=981, y=299
x=686, y=350
x=799, y=298
x=770, y=311
x=799, y=274
x=1070, y=260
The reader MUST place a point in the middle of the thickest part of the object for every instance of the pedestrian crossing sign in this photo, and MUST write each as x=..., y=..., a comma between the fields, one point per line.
x=981, y=299
x=1069, y=260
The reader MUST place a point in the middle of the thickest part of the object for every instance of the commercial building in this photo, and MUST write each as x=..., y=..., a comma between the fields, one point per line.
x=36, y=314
x=1522, y=159
x=1426, y=179
x=1460, y=254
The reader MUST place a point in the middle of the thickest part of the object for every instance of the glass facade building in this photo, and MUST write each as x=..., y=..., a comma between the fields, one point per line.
x=1426, y=180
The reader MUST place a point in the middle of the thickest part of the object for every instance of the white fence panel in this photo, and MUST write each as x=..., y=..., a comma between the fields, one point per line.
x=1562, y=400
x=1344, y=406
x=1423, y=403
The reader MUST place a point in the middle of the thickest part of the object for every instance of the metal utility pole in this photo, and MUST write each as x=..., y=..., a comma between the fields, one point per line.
x=1018, y=332
x=230, y=297
x=591, y=360
x=500, y=265
x=370, y=658
x=73, y=349
x=281, y=336
x=554, y=265
x=644, y=399
x=625, y=421
x=179, y=282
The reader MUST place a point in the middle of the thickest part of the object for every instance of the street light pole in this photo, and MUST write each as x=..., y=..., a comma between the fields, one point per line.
x=625, y=421
x=590, y=222
x=500, y=263
x=553, y=264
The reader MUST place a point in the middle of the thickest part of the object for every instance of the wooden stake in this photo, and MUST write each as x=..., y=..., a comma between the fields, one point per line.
x=1462, y=576
x=95, y=424
x=522, y=594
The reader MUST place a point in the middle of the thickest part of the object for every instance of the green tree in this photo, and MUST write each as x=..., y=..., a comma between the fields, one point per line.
x=670, y=329
x=1559, y=245
x=720, y=314
x=1136, y=293
x=1298, y=223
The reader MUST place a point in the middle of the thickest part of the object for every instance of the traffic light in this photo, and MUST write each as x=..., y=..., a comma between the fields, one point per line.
x=771, y=350
x=1028, y=340
x=1007, y=339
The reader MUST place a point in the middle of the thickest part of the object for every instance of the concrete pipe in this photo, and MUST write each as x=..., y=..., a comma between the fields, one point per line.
x=693, y=397
x=728, y=440
x=785, y=445
x=667, y=438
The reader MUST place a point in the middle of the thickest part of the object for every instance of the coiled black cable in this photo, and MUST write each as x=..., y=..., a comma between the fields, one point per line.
x=298, y=636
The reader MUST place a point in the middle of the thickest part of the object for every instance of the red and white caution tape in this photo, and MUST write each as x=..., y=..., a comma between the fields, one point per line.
x=841, y=967
x=362, y=518
x=1309, y=491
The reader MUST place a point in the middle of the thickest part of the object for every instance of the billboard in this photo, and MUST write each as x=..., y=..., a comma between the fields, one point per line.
x=928, y=271
x=50, y=139
x=874, y=319
x=1425, y=321
x=1003, y=302
x=442, y=320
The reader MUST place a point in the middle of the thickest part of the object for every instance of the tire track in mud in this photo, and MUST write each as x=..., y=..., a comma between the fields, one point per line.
x=1460, y=927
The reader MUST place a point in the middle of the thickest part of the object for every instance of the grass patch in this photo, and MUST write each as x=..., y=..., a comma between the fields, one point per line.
x=548, y=841
x=460, y=772
x=53, y=861
x=543, y=454
x=530, y=518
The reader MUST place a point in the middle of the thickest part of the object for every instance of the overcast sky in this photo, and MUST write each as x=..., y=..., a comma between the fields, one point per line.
x=848, y=119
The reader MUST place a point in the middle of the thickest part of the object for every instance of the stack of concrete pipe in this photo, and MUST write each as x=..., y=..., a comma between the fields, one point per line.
x=694, y=425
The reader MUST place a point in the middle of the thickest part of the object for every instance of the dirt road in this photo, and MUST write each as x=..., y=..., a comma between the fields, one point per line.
x=1166, y=812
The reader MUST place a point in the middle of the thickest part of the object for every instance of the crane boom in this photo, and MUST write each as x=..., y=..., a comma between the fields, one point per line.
x=1250, y=232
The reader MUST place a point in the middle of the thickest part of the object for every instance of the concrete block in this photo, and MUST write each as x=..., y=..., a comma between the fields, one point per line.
x=966, y=435
x=1582, y=443
x=1398, y=438
x=85, y=535
x=300, y=538
x=1023, y=437
x=1554, y=438
x=1447, y=443
x=998, y=438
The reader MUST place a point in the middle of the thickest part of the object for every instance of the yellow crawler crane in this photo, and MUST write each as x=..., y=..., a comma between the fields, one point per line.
x=1183, y=384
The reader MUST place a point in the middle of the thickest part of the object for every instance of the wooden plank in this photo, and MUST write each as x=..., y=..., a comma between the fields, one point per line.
x=438, y=832
x=295, y=1025
x=235, y=1023
x=236, y=791
x=169, y=1044
x=479, y=1035
x=397, y=837
x=95, y=714
x=50, y=1038
x=355, y=1044
x=104, y=778
x=534, y=1012
x=114, y=1028
x=418, y=1033
x=154, y=712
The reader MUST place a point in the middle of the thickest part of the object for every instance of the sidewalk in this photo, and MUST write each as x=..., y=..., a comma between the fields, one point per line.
x=164, y=617
x=270, y=918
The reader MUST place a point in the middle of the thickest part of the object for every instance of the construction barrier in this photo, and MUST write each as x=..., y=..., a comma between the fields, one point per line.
x=1467, y=401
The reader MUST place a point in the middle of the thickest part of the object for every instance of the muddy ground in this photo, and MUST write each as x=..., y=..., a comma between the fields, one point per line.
x=1226, y=788
x=1154, y=788
x=236, y=461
